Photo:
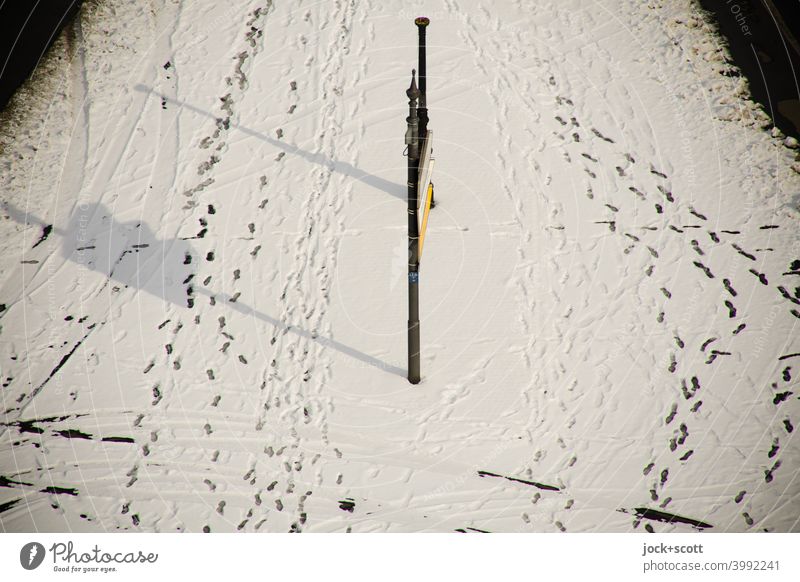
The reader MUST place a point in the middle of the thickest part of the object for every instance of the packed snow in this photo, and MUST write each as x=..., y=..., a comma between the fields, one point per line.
x=203, y=291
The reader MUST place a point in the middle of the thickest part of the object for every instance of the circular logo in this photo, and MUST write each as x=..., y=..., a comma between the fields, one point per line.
x=31, y=555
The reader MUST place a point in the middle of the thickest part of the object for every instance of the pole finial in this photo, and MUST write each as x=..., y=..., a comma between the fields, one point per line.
x=413, y=92
x=422, y=21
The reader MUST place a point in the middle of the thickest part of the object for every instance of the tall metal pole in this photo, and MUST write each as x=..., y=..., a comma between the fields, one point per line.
x=422, y=23
x=412, y=140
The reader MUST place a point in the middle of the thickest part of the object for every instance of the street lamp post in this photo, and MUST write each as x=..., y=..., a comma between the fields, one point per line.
x=422, y=23
x=412, y=141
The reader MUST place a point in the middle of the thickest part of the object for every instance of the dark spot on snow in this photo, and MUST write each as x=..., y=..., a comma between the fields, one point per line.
x=601, y=136
x=28, y=426
x=523, y=481
x=775, y=448
x=665, y=517
x=72, y=433
x=638, y=192
x=768, y=473
x=667, y=194
x=787, y=295
x=117, y=439
x=705, y=269
x=8, y=505
x=697, y=214
x=6, y=482
x=60, y=490
x=761, y=277
x=780, y=397
x=743, y=252
x=46, y=230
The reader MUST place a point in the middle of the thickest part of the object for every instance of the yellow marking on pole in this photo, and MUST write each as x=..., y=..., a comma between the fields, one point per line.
x=424, y=228
x=425, y=165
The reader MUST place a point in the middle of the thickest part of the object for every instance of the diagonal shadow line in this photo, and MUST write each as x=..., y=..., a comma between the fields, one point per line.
x=323, y=341
x=346, y=168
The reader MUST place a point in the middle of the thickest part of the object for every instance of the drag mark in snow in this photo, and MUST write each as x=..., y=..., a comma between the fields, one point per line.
x=665, y=517
x=475, y=529
x=523, y=481
x=9, y=505
x=54, y=490
x=6, y=482
x=55, y=370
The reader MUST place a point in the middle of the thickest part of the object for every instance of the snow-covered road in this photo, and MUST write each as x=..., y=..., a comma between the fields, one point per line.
x=203, y=275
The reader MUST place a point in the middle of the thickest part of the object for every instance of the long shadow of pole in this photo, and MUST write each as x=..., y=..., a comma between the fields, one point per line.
x=146, y=245
x=348, y=169
x=323, y=341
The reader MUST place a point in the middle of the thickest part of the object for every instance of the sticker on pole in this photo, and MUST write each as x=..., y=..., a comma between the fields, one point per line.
x=425, y=167
x=425, y=213
x=413, y=277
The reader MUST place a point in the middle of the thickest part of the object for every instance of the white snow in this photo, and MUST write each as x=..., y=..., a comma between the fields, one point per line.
x=607, y=287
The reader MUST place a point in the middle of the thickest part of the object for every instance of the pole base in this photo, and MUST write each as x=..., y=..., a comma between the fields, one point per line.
x=413, y=352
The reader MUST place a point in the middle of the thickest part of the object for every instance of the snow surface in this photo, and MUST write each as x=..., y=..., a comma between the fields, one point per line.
x=203, y=234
